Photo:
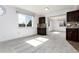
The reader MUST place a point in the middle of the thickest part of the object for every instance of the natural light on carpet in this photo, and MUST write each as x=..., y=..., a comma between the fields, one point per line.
x=37, y=41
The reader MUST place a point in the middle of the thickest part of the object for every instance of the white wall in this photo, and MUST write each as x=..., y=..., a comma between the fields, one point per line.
x=9, y=26
x=55, y=23
x=55, y=26
x=77, y=7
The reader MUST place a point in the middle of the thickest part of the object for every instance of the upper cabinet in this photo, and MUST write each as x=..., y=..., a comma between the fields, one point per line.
x=41, y=20
x=73, y=16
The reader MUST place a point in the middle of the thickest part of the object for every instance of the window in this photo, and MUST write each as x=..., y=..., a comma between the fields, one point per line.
x=2, y=10
x=25, y=20
x=62, y=23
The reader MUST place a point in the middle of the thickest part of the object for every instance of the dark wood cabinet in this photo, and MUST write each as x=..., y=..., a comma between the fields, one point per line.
x=70, y=17
x=72, y=34
x=41, y=20
x=73, y=19
x=68, y=34
x=78, y=34
x=41, y=29
x=73, y=16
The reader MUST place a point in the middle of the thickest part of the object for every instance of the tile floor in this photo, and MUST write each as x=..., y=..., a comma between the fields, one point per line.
x=74, y=44
x=56, y=43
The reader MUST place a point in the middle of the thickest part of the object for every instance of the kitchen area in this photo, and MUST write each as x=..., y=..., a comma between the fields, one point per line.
x=72, y=30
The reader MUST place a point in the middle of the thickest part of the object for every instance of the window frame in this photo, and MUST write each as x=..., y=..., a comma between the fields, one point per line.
x=26, y=15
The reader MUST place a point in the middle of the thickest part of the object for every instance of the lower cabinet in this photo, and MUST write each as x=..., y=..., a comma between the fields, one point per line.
x=72, y=34
x=41, y=31
x=78, y=33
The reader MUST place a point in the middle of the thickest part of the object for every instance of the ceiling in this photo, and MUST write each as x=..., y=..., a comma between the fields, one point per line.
x=39, y=9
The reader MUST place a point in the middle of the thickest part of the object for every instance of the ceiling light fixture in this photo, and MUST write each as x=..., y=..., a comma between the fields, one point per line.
x=46, y=8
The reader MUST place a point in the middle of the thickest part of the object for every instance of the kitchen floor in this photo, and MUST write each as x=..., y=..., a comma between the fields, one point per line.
x=55, y=42
x=75, y=45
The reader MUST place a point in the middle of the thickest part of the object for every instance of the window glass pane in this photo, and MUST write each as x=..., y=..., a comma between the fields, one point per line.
x=21, y=18
x=25, y=20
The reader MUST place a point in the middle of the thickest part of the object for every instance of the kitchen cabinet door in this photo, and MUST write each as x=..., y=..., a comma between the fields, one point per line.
x=73, y=16
x=72, y=34
x=78, y=34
